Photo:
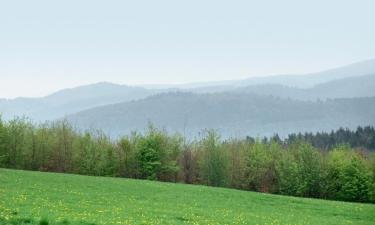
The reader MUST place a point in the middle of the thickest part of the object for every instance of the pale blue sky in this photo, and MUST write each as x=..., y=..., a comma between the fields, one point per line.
x=49, y=45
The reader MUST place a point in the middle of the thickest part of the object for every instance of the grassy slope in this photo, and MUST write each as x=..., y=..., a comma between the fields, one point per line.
x=31, y=196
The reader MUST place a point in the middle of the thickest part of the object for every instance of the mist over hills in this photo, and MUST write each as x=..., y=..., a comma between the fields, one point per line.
x=351, y=87
x=291, y=80
x=254, y=106
x=232, y=114
x=71, y=100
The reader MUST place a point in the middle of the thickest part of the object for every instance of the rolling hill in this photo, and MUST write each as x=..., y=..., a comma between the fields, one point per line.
x=294, y=80
x=232, y=114
x=38, y=198
x=351, y=87
x=355, y=80
x=71, y=100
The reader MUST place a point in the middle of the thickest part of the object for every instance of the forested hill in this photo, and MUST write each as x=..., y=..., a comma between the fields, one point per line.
x=231, y=114
x=351, y=87
x=296, y=80
x=355, y=80
x=71, y=100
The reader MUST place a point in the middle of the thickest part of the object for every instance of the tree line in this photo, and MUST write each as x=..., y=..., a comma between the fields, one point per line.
x=300, y=165
x=362, y=137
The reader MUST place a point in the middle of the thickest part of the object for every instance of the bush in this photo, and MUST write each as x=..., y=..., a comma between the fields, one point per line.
x=261, y=166
x=214, y=161
x=350, y=177
x=292, y=166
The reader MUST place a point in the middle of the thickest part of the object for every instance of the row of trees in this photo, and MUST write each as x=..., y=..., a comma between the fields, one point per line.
x=362, y=137
x=282, y=167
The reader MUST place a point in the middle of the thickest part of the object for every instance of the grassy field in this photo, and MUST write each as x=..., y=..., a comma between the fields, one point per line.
x=49, y=198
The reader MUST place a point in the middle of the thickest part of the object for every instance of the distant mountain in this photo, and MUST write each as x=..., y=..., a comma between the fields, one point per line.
x=312, y=79
x=345, y=82
x=230, y=113
x=351, y=87
x=71, y=100
x=299, y=80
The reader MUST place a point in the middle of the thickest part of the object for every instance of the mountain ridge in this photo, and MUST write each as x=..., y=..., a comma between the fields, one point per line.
x=233, y=114
x=73, y=100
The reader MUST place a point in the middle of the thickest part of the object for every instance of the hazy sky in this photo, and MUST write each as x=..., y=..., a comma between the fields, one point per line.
x=49, y=45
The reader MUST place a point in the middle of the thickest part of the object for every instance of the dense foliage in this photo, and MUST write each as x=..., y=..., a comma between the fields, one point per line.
x=289, y=167
x=362, y=137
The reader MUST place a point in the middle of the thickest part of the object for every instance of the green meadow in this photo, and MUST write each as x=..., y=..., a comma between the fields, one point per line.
x=50, y=198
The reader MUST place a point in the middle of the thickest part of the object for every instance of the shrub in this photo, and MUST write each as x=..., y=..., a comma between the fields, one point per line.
x=349, y=176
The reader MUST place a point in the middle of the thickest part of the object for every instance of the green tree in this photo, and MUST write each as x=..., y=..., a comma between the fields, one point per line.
x=349, y=176
x=63, y=146
x=157, y=155
x=4, y=145
x=214, y=162
x=126, y=151
x=310, y=169
x=108, y=163
x=288, y=174
x=237, y=152
x=43, y=138
x=188, y=165
x=17, y=142
x=149, y=154
x=300, y=171
x=86, y=155
x=261, y=167
x=372, y=165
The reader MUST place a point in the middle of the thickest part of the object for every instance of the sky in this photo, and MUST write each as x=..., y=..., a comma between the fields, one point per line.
x=51, y=45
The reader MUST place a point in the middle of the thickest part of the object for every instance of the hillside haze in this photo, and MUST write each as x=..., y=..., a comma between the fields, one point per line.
x=254, y=106
x=71, y=100
x=350, y=87
x=292, y=80
x=232, y=114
